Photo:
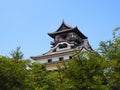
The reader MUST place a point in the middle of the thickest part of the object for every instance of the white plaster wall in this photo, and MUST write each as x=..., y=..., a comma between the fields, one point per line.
x=54, y=59
x=42, y=61
x=66, y=57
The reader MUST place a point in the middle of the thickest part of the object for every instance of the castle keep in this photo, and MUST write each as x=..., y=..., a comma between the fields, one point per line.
x=65, y=40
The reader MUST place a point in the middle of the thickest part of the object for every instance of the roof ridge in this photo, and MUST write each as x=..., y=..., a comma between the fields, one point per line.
x=64, y=26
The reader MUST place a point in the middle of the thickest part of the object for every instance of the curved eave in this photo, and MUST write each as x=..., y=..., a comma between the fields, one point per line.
x=52, y=54
x=59, y=32
x=76, y=30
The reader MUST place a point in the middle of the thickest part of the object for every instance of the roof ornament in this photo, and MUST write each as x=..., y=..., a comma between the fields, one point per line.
x=63, y=21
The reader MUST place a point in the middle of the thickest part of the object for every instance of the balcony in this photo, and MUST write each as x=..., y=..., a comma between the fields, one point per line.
x=74, y=39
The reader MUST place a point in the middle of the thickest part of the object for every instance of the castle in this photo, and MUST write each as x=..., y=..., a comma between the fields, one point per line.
x=65, y=40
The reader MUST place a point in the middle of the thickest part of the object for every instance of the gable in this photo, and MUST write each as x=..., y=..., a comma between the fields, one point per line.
x=63, y=27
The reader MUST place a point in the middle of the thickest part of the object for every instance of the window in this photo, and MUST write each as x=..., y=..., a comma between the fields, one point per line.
x=49, y=60
x=63, y=46
x=64, y=37
x=70, y=57
x=61, y=59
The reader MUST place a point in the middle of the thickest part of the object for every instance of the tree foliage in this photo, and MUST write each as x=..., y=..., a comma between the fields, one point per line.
x=86, y=71
x=17, y=54
x=13, y=76
x=110, y=50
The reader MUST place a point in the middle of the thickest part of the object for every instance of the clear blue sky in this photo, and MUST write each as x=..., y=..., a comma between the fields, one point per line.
x=26, y=23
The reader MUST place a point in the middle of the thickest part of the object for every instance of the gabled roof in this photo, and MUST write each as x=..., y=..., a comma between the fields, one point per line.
x=85, y=44
x=64, y=28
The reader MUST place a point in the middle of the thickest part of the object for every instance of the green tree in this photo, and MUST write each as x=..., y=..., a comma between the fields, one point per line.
x=86, y=72
x=57, y=79
x=110, y=50
x=14, y=76
x=17, y=54
x=39, y=74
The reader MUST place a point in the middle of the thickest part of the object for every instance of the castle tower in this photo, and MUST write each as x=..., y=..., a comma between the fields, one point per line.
x=65, y=40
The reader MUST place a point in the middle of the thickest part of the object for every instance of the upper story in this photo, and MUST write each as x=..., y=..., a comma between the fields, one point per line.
x=66, y=36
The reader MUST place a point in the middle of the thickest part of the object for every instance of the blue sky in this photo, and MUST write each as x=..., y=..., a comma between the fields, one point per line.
x=26, y=23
